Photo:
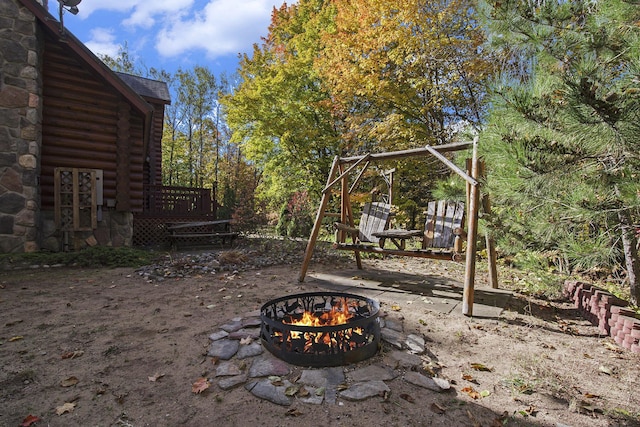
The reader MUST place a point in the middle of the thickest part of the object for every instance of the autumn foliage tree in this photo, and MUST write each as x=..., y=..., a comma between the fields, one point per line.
x=280, y=114
x=407, y=72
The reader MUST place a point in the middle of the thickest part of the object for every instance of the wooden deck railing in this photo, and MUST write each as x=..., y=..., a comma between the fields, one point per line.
x=164, y=201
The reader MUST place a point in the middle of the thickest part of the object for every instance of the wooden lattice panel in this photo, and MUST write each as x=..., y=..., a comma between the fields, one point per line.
x=150, y=232
x=75, y=199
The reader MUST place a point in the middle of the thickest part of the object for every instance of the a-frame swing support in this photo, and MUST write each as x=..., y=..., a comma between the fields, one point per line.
x=340, y=174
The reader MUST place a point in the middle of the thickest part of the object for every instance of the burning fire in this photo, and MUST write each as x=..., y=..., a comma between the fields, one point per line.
x=317, y=342
x=338, y=315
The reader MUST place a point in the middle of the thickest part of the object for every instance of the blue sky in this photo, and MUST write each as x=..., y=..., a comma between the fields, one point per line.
x=168, y=34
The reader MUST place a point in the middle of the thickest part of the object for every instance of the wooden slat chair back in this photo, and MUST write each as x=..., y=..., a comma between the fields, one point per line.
x=374, y=218
x=443, y=225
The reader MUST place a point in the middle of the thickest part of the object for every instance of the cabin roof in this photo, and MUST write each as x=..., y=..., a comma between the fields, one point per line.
x=148, y=88
x=53, y=27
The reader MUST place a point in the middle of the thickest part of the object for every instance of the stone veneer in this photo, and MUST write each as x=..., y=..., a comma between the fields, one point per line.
x=20, y=128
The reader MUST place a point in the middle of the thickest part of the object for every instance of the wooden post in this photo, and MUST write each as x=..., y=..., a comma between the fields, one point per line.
x=492, y=257
x=311, y=244
x=347, y=212
x=472, y=237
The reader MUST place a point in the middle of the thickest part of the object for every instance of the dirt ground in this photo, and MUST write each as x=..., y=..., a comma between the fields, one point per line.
x=121, y=350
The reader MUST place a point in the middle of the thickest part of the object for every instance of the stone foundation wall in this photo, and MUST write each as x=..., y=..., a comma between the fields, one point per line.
x=115, y=229
x=20, y=128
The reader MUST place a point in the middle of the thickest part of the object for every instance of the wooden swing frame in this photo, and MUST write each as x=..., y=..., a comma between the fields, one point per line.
x=343, y=167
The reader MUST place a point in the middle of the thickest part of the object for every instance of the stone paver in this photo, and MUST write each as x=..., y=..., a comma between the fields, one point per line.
x=364, y=390
x=223, y=349
x=238, y=339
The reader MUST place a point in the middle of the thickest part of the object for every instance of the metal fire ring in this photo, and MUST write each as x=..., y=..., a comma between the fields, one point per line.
x=350, y=342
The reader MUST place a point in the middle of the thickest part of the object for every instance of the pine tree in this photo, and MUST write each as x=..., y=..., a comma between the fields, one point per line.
x=562, y=142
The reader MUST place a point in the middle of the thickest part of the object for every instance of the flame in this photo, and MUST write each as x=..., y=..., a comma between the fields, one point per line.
x=338, y=315
x=322, y=341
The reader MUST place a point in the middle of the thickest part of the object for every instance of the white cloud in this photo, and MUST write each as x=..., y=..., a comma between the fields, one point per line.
x=222, y=27
x=214, y=29
x=143, y=13
x=103, y=42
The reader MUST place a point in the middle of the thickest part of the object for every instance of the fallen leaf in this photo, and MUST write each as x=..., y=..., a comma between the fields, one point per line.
x=16, y=338
x=468, y=377
x=395, y=307
x=200, y=385
x=342, y=386
x=481, y=367
x=605, y=370
x=531, y=410
x=69, y=382
x=591, y=396
x=472, y=392
x=30, y=419
x=407, y=397
x=292, y=390
x=303, y=392
x=276, y=381
x=612, y=347
x=246, y=340
x=437, y=408
x=293, y=412
x=155, y=377
x=320, y=391
x=72, y=354
x=485, y=393
x=67, y=407
x=587, y=356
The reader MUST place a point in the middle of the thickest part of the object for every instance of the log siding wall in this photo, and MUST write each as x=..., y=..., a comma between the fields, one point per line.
x=84, y=127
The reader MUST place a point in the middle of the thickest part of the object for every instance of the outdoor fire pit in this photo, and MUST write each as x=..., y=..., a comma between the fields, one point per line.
x=321, y=329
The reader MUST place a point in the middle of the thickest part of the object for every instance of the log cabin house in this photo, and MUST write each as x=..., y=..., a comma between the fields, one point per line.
x=80, y=145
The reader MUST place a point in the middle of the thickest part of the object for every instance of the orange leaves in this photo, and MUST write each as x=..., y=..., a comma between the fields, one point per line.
x=29, y=420
x=471, y=392
x=200, y=385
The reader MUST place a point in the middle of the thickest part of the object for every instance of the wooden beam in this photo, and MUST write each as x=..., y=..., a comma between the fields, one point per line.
x=492, y=257
x=452, y=166
x=355, y=181
x=311, y=244
x=414, y=152
x=417, y=253
x=472, y=237
x=346, y=172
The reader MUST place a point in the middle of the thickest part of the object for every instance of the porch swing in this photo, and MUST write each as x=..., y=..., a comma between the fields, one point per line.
x=443, y=232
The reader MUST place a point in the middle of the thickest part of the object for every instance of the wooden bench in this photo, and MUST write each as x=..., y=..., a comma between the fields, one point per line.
x=374, y=218
x=193, y=232
x=442, y=236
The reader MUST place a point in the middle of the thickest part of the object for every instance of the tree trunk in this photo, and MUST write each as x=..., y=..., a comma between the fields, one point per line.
x=629, y=244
